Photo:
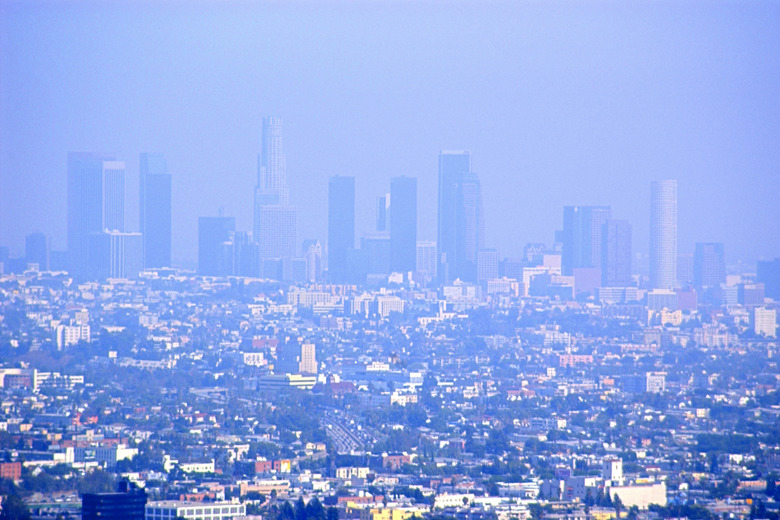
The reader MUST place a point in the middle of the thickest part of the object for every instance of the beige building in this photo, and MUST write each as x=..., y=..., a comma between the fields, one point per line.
x=308, y=362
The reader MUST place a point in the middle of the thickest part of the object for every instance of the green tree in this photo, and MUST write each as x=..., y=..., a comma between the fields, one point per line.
x=14, y=508
x=315, y=511
x=98, y=481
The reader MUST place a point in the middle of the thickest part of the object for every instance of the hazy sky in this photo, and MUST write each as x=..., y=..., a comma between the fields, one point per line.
x=559, y=102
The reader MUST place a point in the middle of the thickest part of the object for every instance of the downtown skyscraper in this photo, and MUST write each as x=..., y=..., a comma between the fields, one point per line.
x=215, y=245
x=663, y=234
x=616, y=253
x=403, y=224
x=709, y=264
x=582, y=234
x=460, y=234
x=155, y=210
x=96, y=204
x=275, y=220
x=341, y=226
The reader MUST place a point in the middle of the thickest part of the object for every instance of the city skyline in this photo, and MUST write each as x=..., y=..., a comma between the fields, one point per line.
x=438, y=260
x=591, y=127
x=580, y=239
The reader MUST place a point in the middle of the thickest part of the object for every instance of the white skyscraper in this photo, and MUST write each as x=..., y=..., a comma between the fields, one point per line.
x=663, y=234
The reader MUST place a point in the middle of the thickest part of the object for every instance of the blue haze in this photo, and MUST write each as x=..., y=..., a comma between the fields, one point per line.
x=560, y=103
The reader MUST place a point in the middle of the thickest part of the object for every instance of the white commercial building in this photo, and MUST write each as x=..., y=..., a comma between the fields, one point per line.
x=172, y=509
x=765, y=322
x=67, y=335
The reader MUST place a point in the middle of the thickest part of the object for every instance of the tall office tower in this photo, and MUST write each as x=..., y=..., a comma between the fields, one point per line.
x=275, y=223
x=308, y=362
x=663, y=234
x=96, y=193
x=426, y=259
x=36, y=250
x=470, y=238
x=312, y=251
x=272, y=167
x=582, y=229
x=382, y=209
x=277, y=226
x=616, y=253
x=214, y=236
x=684, y=269
x=709, y=264
x=113, y=254
x=454, y=166
x=155, y=210
x=403, y=224
x=373, y=257
x=768, y=273
x=246, y=255
x=341, y=226
x=487, y=265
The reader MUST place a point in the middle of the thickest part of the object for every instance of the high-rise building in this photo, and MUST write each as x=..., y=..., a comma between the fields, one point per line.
x=487, y=265
x=215, y=235
x=426, y=259
x=768, y=273
x=129, y=503
x=663, y=234
x=312, y=251
x=616, y=253
x=277, y=227
x=454, y=166
x=308, y=362
x=382, y=208
x=96, y=193
x=403, y=224
x=113, y=254
x=246, y=255
x=470, y=236
x=36, y=250
x=582, y=235
x=341, y=226
x=275, y=222
x=684, y=269
x=155, y=210
x=709, y=264
x=373, y=257
x=272, y=163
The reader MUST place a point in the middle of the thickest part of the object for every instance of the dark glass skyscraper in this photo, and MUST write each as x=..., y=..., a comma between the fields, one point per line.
x=129, y=503
x=460, y=233
x=214, y=235
x=403, y=224
x=96, y=191
x=382, y=206
x=768, y=273
x=36, y=250
x=155, y=210
x=616, y=253
x=470, y=237
x=341, y=226
x=582, y=229
x=709, y=264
